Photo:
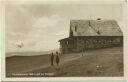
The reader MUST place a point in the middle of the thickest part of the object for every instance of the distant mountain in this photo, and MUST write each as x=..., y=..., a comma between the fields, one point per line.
x=29, y=53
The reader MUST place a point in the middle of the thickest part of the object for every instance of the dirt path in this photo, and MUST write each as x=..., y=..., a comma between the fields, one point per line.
x=67, y=58
x=63, y=60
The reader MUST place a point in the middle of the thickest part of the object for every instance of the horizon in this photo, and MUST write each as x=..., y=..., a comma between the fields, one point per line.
x=32, y=51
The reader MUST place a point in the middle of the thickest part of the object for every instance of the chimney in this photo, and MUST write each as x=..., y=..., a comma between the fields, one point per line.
x=98, y=18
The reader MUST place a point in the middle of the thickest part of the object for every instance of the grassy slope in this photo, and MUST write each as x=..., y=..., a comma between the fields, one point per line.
x=110, y=59
x=20, y=64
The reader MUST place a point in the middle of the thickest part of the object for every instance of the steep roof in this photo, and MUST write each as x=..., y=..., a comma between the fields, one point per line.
x=94, y=28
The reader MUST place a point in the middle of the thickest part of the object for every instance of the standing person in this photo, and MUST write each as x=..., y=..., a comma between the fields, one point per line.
x=52, y=58
x=57, y=58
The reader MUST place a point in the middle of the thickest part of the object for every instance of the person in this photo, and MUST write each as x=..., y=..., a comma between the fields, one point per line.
x=57, y=58
x=52, y=58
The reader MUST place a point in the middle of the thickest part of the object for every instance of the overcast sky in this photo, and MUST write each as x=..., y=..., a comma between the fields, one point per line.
x=40, y=26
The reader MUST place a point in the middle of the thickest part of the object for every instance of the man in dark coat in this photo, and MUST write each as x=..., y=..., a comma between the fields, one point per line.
x=57, y=58
x=52, y=58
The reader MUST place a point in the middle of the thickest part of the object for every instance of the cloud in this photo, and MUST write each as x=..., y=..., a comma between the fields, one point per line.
x=44, y=22
x=43, y=35
x=46, y=32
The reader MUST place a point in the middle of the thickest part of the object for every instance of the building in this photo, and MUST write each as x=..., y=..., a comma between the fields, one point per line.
x=91, y=34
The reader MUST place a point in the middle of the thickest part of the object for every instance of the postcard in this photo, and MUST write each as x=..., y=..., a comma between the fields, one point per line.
x=63, y=39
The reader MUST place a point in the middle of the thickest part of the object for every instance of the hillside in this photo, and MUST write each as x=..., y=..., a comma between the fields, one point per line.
x=110, y=62
x=103, y=62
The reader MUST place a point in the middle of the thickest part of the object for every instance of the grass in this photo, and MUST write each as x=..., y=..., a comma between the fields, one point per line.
x=109, y=60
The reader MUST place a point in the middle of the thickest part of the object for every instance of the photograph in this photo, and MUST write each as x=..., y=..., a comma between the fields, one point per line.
x=64, y=40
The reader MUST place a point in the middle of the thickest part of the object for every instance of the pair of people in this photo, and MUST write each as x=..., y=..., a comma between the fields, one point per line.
x=57, y=59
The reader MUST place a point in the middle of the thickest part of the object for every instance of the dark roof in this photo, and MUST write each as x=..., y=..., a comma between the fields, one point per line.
x=95, y=28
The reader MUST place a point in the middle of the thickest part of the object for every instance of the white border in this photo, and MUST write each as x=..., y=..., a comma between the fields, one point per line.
x=62, y=78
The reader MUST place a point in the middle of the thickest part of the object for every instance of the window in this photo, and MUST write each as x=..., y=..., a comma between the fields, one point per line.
x=67, y=42
x=75, y=28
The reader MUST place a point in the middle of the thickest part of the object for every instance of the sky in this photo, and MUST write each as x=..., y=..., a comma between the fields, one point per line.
x=40, y=26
